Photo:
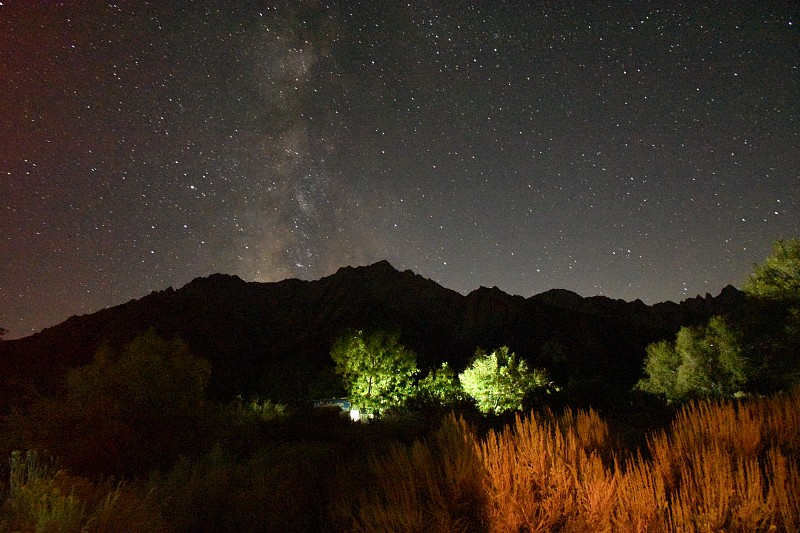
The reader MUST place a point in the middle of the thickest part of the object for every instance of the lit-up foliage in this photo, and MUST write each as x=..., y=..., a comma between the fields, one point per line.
x=779, y=276
x=703, y=362
x=441, y=386
x=377, y=371
x=499, y=381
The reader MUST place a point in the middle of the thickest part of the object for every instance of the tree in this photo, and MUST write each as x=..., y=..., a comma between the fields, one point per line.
x=150, y=373
x=705, y=361
x=441, y=386
x=377, y=371
x=661, y=366
x=499, y=381
x=772, y=324
x=129, y=411
x=778, y=278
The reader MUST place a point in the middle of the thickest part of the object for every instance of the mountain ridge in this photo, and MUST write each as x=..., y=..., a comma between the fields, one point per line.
x=273, y=339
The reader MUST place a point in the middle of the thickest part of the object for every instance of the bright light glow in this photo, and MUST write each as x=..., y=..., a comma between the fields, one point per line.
x=355, y=415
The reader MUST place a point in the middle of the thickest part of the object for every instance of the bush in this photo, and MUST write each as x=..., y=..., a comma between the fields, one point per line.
x=704, y=362
x=125, y=413
x=721, y=466
x=499, y=381
x=44, y=498
x=432, y=485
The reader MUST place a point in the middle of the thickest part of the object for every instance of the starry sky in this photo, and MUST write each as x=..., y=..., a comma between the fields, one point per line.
x=644, y=150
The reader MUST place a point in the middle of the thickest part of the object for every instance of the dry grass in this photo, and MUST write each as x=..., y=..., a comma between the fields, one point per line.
x=721, y=466
x=544, y=475
x=44, y=499
x=725, y=467
x=428, y=486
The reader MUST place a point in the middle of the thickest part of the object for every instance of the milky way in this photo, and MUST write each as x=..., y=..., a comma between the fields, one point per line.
x=637, y=152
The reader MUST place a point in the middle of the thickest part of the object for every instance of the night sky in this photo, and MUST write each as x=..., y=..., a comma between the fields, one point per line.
x=636, y=151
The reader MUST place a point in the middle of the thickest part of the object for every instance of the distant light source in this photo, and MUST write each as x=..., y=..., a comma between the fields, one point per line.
x=355, y=415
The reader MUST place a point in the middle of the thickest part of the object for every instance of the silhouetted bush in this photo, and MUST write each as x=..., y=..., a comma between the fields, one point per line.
x=125, y=413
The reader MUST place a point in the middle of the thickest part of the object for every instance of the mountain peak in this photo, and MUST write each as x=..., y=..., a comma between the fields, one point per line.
x=218, y=282
x=560, y=297
x=383, y=266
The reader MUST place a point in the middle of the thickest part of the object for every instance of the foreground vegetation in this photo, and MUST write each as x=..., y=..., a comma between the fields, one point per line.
x=721, y=465
x=133, y=441
x=753, y=351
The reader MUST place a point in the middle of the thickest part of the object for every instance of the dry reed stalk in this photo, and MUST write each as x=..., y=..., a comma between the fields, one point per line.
x=592, y=431
x=502, y=477
x=703, y=500
x=398, y=506
x=642, y=503
x=750, y=430
x=753, y=502
x=540, y=476
x=596, y=495
x=520, y=477
x=665, y=459
x=713, y=464
x=783, y=419
x=461, y=469
x=738, y=429
x=432, y=486
x=784, y=491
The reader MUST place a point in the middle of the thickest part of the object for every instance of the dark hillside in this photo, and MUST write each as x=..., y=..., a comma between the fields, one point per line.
x=273, y=339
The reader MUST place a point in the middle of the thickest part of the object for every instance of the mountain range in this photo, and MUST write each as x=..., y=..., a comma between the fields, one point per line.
x=273, y=339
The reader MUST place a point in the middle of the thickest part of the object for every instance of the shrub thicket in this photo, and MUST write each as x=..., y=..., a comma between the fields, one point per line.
x=720, y=466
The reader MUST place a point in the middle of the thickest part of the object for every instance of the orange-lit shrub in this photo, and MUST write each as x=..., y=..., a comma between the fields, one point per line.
x=434, y=485
x=721, y=466
x=543, y=475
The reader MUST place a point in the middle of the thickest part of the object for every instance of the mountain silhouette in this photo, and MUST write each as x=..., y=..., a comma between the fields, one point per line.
x=274, y=339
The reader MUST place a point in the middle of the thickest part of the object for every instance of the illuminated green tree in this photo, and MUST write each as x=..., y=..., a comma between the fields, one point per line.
x=441, y=386
x=705, y=361
x=377, y=371
x=499, y=381
x=772, y=326
x=778, y=278
x=661, y=367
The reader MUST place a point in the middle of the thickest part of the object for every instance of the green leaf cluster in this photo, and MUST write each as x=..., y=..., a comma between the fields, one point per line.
x=441, y=386
x=376, y=369
x=778, y=278
x=774, y=289
x=705, y=361
x=499, y=381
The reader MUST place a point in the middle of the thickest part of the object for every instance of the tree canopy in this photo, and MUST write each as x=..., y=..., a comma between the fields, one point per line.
x=704, y=361
x=377, y=370
x=778, y=277
x=129, y=410
x=159, y=374
x=499, y=381
x=441, y=386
